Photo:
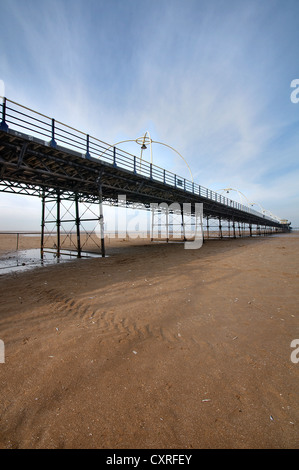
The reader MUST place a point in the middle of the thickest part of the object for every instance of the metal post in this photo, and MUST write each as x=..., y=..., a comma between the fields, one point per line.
x=53, y=143
x=170, y=219
x=87, y=155
x=234, y=228
x=3, y=125
x=183, y=223
x=102, y=221
x=250, y=229
x=78, y=225
x=208, y=236
x=220, y=228
x=42, y=226
x=58, y=223
x=153, y=217
x=159, y=224
x=167, y=225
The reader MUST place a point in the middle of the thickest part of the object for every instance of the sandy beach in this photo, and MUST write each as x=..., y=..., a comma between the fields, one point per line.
x=154, y=346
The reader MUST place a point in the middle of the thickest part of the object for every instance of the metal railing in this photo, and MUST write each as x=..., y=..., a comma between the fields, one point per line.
x=54, y=133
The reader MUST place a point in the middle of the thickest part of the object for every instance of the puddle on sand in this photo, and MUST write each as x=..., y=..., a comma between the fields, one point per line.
x=23, y=260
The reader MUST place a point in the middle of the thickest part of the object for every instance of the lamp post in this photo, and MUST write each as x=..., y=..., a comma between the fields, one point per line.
x=145, y=140
x=264, y=211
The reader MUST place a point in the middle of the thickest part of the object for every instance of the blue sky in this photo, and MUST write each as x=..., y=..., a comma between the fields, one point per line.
x=210, y=78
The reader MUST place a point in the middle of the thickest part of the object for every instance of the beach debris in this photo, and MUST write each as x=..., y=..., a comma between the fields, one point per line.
x=134, y=352
x=271, y=418
x=206, y=399
x=235, y=338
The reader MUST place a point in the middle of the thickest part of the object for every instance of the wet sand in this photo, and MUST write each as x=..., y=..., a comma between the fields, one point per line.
x=153, y=347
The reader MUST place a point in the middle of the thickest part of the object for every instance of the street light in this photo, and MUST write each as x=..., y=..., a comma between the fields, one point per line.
x=145, y=140
x=239, y=192
x=264, y=211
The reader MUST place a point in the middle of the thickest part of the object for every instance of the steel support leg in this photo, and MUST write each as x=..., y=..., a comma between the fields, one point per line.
x=102, y=221
x=58, y=223
x=234, y=228
x=167, y=225
x=42, y=227
x=78, y=226
x=183, y=223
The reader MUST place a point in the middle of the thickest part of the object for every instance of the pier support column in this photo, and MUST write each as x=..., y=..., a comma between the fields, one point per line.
x=183, y=223
x=167, y=224
x=58, y=223
x=234, y=228
x=42, y=226
x=78, y=226
x=102, y=221
x=61, y=220
x=208, y=227
x=220, y=228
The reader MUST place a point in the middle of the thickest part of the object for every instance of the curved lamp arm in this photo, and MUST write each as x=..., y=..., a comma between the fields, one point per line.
x=148, y=141
x=239, y=192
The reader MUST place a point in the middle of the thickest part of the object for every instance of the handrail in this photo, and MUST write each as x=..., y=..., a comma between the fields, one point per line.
x=92, y=146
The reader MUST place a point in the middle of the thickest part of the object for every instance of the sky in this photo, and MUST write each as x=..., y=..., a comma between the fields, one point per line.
x=216, y=80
